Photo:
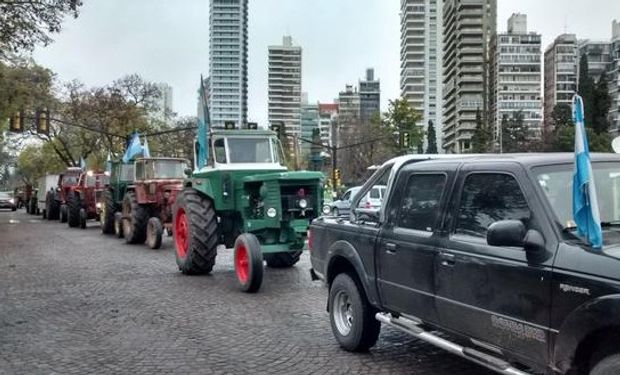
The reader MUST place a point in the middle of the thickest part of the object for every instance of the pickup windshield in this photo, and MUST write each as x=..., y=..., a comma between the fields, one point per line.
x=557, y=183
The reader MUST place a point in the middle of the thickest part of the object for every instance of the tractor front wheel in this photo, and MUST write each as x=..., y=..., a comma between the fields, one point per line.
x=118, y=225
x=83, y=218
x=282, y=260
x=154, y=232
x=248, y=262
x=63, y=213
x=195, y=232
x=135, y=217
x=73, y=209
x=108, y=208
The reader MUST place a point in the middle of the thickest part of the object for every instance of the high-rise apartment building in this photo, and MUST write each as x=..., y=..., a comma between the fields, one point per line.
x=560, y=76
x=228, y=61
x=421, y=59
x=348, y=114
x=613, y=79
x=598, y=54
x=516, y=78
x=370, y=96
x=164, y=102
x=467, y=29
x=285, y=86
x=328, y=122
x=309, y=122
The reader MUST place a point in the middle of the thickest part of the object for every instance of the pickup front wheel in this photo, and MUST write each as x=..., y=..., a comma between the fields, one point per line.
x=351, y=316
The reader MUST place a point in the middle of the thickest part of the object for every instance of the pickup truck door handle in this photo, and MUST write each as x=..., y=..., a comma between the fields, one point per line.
x=391, y=248
x=447, y=259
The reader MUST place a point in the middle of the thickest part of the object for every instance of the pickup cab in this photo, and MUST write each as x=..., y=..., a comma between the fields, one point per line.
x=479, y=255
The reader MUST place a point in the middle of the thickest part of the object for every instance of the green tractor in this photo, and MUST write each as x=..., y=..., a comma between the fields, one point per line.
x=241, y=195
x=111, y=201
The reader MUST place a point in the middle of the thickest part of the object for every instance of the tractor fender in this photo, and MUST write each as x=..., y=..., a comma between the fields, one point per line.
x=341, y=251
x=203, y=186
x=594, y=315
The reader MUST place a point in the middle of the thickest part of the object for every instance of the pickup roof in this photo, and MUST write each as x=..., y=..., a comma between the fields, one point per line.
x=482, y=249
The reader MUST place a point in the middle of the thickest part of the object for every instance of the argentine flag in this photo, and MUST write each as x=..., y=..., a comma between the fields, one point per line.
x=585, y=204
x=134, y=149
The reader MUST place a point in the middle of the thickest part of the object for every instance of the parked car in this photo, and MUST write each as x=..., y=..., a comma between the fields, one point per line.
x=372, y=199
x=479, y=255
x=7, y=201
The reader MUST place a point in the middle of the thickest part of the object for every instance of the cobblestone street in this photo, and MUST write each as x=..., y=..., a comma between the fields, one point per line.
x=74, y=301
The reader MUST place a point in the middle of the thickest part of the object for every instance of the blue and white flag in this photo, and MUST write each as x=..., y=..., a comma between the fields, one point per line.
x=203, y=125
x=585, y=204
x=134, y=149
x=145, y=149
x=82, y=162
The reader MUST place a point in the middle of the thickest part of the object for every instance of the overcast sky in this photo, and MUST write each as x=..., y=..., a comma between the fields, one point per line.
x=167, y=41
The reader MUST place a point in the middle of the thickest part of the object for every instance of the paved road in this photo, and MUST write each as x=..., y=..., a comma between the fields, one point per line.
x=74, y=301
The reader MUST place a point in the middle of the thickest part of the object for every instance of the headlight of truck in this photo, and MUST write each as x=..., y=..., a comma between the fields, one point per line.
x=271, y=212
x=302, y=203
x=98, y=204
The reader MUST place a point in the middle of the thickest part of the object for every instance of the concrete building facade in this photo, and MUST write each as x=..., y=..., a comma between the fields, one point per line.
x=370, y=96
x=516, y=78
x=560, y=76
x=421, y=30
x=284, y=103
x=613, y=79
x=228, y=61
x=467, y=29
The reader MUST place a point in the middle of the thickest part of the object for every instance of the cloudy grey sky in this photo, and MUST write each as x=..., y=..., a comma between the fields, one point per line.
x=167, y=41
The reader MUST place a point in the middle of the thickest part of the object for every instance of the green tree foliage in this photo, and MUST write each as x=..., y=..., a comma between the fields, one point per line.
x=564, y=133
x=483, y=136
x=602, y=104
x=431, y=138
x=514, y=133
x=27, y=23
x=35, y=161
x=402, y=119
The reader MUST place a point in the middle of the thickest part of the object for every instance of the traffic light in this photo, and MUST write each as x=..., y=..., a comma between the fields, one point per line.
x=337, y=179
x=42, y=121
x=279, y=130
x=229, y=124
x=16, y=122
x=406, y=140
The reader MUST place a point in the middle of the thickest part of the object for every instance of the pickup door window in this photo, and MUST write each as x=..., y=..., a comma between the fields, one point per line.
x=408, y=245
x=487, y=292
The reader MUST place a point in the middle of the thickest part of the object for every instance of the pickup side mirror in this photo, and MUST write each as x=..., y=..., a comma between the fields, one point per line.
x=506, y=233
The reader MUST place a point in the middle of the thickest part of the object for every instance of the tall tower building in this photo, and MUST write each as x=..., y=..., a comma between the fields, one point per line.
x=285, y=86
x=228, y=61
x=370, y=96
x=613, y=79
x=421, y=52
x=467, y=29
x=516, y=78
x=164, y=102
x=560, y=76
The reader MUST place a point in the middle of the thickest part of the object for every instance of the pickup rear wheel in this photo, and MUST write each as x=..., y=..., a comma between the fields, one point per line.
x=351, y=316
x=609, y=365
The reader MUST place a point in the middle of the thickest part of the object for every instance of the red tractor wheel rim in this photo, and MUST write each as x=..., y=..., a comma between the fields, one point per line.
x=181, y=233
x=242, y=266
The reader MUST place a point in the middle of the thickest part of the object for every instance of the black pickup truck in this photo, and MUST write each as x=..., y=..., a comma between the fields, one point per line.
x=479, y=255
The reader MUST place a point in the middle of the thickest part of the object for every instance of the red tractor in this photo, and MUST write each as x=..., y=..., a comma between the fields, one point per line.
x=56, y=200
x=83, y=199
x=147, y=204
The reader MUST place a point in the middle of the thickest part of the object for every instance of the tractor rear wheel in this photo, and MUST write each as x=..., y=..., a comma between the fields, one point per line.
x=154, y=232
x=135, y=217
x=282, y=260
x=195, y=232
x=63, y=213
x=73, y=209
x=248, y=262
x=118, y=225
x=51, y=206
x=108, y=208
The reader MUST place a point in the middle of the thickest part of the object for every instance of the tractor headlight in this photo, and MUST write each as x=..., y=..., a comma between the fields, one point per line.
x=98, y=205
x=302, y=203
x=271, y=212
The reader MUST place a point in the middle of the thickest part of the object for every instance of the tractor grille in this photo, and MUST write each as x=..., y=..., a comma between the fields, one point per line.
x=290, y=196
